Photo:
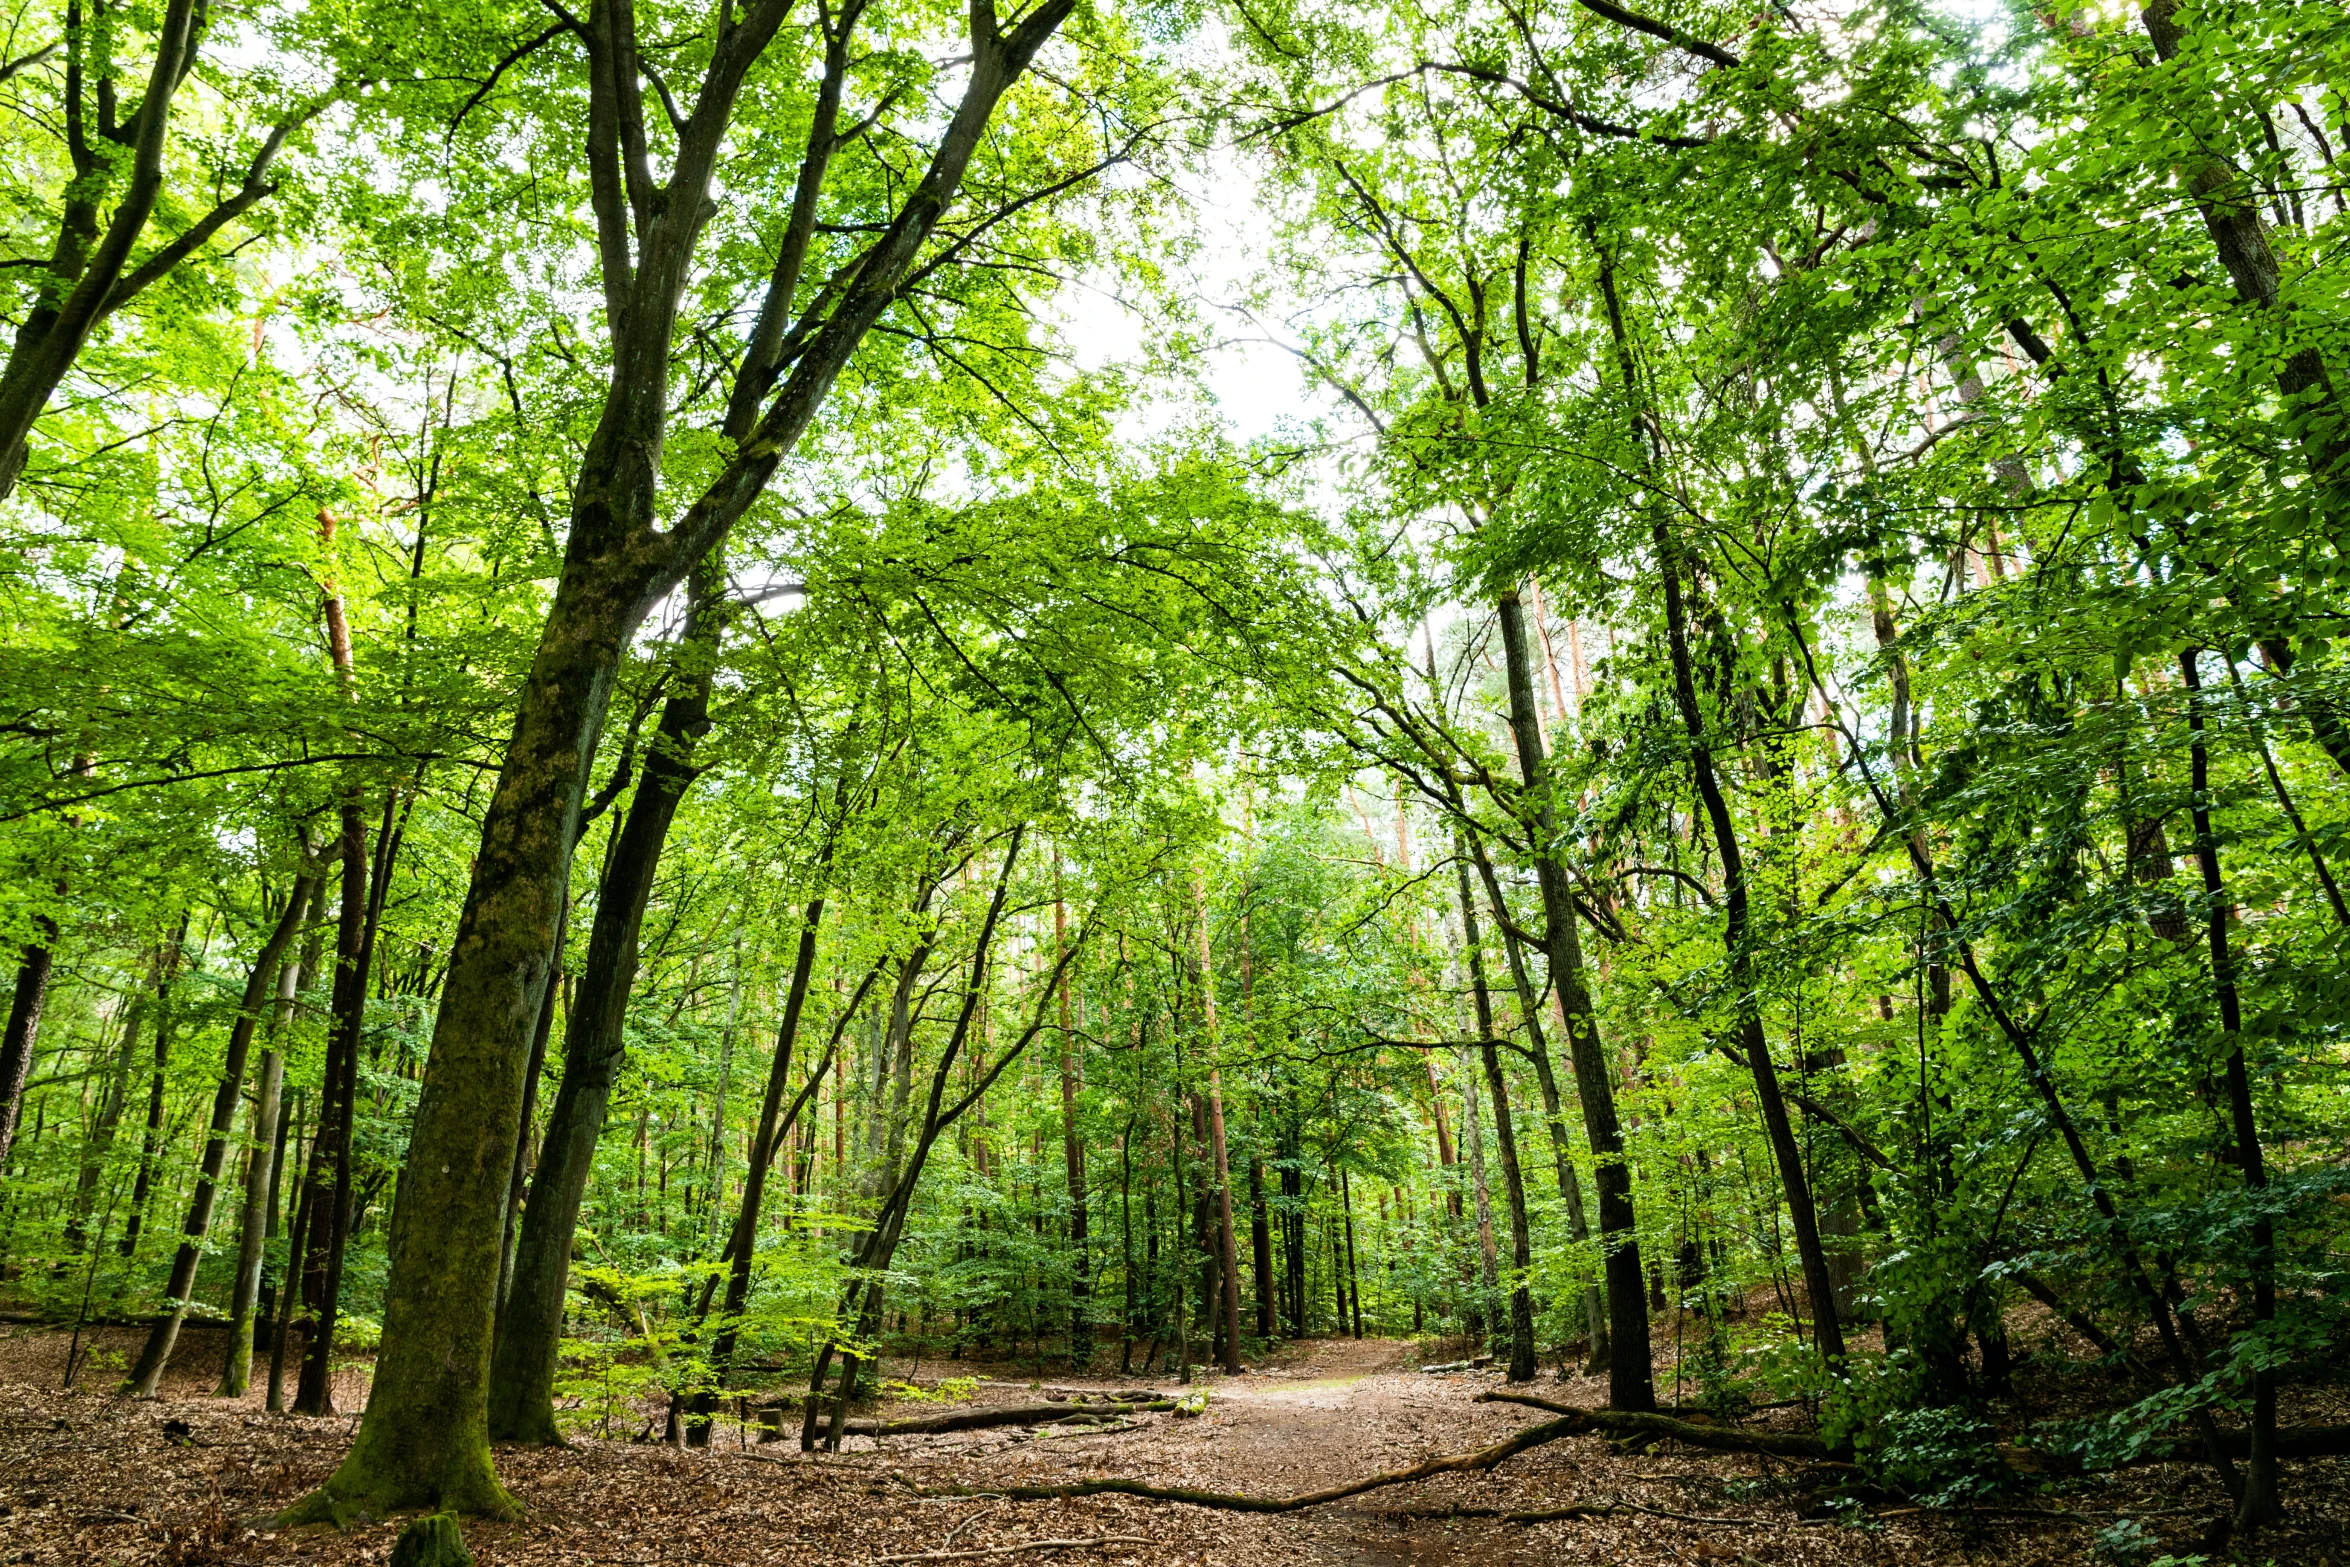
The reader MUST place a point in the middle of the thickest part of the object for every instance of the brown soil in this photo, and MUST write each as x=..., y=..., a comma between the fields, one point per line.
x=88, y=1477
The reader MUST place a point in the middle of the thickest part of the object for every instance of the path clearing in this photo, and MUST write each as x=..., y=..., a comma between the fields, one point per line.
x=88, y=1477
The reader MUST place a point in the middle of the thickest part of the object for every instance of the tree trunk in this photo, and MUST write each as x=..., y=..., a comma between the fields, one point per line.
x=1481, y=1323
x=289, y=1289
x=24, y=1029
x=1354, y=1275
x=424, y=1441
x=743, y=1241
x=1631, y=1378
x=330, y=1191
x=1073, y=1159
x=1819, y=1280
x=258, y=1222
x=1505, y=1136
x=147, y=1376
x=521, y=1394
x=2259, y=1504
x=150, y=1140
x=110, y=1105
x=531, y=1074
x=1260, y=1244
x=1227, y=1254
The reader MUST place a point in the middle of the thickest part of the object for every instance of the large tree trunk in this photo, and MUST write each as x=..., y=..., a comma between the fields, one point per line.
x=1631, y=1380
x=261, y=1169
x=521, y=1397
x=424, y=1441
x=147, y=1376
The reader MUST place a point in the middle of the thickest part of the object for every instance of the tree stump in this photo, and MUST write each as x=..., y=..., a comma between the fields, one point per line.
x=432, y=1541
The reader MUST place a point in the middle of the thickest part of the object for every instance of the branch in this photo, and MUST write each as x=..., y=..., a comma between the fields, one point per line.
x=257, y=185
x=514, y=56
x=1236, y=1502
x=1680, y=40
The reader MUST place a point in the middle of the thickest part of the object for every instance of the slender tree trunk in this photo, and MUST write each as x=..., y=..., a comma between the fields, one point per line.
x=329, y=1191
x=1488, y=1295
x=146, y=1377
x=1227, y=1254
x=1260, y=1244
x=2259, y=1504
x=100, y=1142
x=1354, y=1276
x=1631, y=1377
x=1738, y=939
x=150, y=1140
x=1505, y=1136
x=289, y=1289
x=24, y=1029
x=743, y=1242
x=1073, y=1159
x=258, y=1221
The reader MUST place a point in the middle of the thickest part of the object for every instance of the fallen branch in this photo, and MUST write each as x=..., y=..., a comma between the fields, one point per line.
x=1625, y=1422
x=1008, y=1415
x=1578, y=1510
x=1232, y=1501
x=1026, y=1545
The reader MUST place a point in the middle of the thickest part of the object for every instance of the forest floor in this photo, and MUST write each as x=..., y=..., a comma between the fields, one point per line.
x=88, y=1477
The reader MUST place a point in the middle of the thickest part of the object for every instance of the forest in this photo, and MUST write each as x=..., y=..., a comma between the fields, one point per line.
x=1276, y=781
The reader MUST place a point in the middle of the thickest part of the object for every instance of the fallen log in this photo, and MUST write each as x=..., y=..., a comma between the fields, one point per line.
x=1006, y=1415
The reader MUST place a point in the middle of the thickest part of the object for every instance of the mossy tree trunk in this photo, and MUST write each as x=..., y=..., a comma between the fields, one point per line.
x=530, y=1324
x=424, y=1441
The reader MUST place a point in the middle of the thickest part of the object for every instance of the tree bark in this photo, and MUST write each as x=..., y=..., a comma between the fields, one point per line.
x=261, y=1169
x=329, y=1190
x=2259, y=1504
x=147, y=1376
x=24, y=1029
x=1227, y=1254
x=1505, y=1137
x=529, y=1330
x=1631, y=1382
x=1819, y=1279
x=743, y=1241
x=150, y=1140
x=110, y=1106
x=1260, y=1245
x=1073, y=1158
x=424, y=1440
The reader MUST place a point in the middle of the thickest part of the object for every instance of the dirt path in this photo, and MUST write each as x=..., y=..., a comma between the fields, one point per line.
x=88, y=1477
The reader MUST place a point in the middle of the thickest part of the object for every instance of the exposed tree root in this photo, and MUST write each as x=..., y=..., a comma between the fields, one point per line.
x=1580, y=1510
x=1010, y=1415
x=1088, y=1543
x=1723, y=1439
x=1233, y=1501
